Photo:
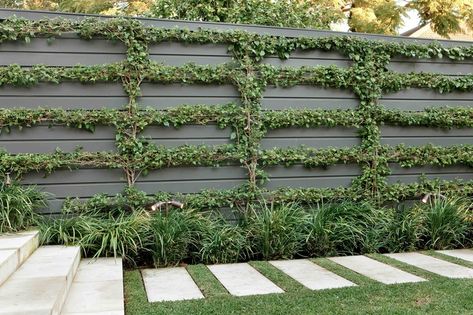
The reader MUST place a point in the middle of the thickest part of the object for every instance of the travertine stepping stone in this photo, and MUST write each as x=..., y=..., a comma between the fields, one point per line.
x=311, y=275
x=434, y=265
x=465, y=254
x=242, y=279
x=376, y=270
x=170, y=284
x=97, y=288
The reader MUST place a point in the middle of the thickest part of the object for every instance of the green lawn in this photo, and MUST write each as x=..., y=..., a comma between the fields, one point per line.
x=437, y=296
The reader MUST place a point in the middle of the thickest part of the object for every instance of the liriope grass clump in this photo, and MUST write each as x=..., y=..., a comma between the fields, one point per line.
x=262, y=231
x=275, y=231
x=405, y=228
x=173, y=236
x=344, y=228
x=445, y=223
x=224, y=242
x=18, y=206
x=100, y=235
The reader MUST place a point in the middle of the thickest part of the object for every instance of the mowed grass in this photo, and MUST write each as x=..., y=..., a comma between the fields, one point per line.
x=439, y=295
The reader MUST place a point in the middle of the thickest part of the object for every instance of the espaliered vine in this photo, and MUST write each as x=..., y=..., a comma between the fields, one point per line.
x=368, y=77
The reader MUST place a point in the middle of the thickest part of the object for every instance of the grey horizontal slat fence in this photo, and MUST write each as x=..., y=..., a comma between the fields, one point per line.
x=66, y=95
x=416, y=99
x=317, y=137
x=187, y=135
x=160, y=96
x=66, y=50
x=311, y=97
x=69, y=50
x=45, y=139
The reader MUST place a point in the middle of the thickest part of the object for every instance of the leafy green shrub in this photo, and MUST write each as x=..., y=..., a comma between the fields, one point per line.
x=18, y=205
x=276, y=231
x=404, y=229
x=446, y=223
x=173, y=236
x=224, y=243
x=102, y=204
x=344, y=228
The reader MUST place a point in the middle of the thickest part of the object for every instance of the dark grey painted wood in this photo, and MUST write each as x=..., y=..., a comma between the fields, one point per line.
x=192, y=179
x=313, y=57
x=311, y=137
x=160, y=96
x=308, y=97
x=420, y=105
x=414, y=174
x=307, y=62
x=44, y=139
x=268, y=30
x=62, y=51
x=68, y=50
x=418, y=99
x=177, y=54
x=187, y=135
x=65, y=43
x=300, y=177
x=417, y=136
x=66, y=95
x=444, y=66
x=83, y=183
x=29, y=59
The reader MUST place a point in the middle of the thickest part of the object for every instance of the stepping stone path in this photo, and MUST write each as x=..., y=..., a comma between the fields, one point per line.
x=242, y=279
x=434, y=265
x=170, y=284
x=52, y=280
x=465, y=254
x=311, y=275
x=375, y=270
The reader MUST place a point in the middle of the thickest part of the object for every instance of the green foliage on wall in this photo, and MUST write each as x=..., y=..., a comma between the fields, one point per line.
x=368, y=77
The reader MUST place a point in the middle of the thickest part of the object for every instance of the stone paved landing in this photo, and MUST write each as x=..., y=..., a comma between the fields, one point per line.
x=311, y=275
x=24, y=243
x=170, y=284
x=97, y=288
x=465, y=254
x=376, y=270
x=41, y=284
x=14, y=250
x=241, y=279
x=8, y=263
x=434, y=265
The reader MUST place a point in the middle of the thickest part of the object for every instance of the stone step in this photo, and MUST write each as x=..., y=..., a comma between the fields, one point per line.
x=97, y=288
x=41, y=284
x=170, y=284
x=310, y=275
x=434, y=265
x=15, y=248
x=241, y=279
x=465, y=254
x=376, y=270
